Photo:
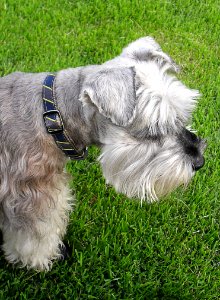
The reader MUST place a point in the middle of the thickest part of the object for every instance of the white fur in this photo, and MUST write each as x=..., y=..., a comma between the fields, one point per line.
x=37, y=249
x=144, y=170
x=143, y=47
x=163, y=102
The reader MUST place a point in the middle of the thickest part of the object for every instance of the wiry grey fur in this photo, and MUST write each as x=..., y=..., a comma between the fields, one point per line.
x=133, y=107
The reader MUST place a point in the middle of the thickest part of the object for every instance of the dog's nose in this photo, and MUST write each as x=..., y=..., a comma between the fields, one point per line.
x=198, y=162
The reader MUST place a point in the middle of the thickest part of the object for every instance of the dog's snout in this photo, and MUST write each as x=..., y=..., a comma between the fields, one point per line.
x=194, y=147
x=198, y=162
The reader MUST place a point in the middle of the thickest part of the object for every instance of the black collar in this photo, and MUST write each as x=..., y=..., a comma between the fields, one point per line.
x=54, y=123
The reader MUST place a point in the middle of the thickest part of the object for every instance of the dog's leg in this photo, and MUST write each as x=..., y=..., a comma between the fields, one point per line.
x=34, y=198
x=34, y=238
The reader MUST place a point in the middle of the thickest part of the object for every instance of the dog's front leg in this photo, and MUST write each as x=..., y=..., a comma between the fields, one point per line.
x=33, y=236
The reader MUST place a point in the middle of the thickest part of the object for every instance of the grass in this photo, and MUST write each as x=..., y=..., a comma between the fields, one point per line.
x=120, y=250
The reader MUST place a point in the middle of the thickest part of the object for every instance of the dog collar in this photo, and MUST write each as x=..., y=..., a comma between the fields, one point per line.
x=54, y=123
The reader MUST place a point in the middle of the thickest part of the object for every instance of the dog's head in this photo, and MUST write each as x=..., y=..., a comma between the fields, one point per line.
x=146, y=149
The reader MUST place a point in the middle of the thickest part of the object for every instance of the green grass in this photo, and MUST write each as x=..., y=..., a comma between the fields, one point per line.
x=120, y=250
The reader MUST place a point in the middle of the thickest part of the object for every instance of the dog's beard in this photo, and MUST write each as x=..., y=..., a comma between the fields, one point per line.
x=146, y=170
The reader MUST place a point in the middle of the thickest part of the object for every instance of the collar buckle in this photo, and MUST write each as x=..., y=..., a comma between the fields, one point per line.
x=53, y=121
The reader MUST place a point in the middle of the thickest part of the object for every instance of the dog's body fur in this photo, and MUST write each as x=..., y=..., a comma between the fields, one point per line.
x=130, y=106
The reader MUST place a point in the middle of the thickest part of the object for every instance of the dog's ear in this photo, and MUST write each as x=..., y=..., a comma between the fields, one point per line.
x=147, y=48
x=112, y=91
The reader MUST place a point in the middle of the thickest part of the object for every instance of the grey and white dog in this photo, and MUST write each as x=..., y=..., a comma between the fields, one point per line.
x=132, y=106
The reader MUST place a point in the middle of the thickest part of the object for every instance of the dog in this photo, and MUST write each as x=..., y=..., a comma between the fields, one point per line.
x=133, y=107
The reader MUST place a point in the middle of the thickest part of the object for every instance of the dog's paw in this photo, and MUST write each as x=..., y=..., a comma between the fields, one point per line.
x=65, y=251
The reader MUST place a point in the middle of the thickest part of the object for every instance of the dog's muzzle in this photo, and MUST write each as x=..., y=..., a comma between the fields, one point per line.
x=194, y=147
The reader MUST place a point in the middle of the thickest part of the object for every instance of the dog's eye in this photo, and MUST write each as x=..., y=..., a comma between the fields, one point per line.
x=145, y=136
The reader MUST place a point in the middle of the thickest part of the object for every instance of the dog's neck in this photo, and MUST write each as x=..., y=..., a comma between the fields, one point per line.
x=67, y=87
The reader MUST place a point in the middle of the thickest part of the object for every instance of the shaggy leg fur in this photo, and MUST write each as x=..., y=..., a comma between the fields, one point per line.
x=35, y=203
x=37, y=248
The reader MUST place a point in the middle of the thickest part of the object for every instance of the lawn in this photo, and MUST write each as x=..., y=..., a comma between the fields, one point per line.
x=118, y=249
